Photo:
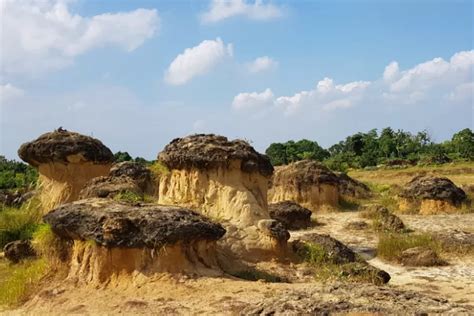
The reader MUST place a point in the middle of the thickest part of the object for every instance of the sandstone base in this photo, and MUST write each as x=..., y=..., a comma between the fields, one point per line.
x=426, y=207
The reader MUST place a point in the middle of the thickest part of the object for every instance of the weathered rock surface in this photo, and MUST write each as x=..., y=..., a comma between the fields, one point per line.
x=433, y=188
x=209, y=151
x=351, y=187
x=274, y=229
x=307, y=183
x=357, y=225
x=65, y=147
x=420, y=256
x=383, y=218
x=136, y=171
x=336, y=251
x=18, y=250
x=108, y=187
x=290, y=214
x=114, y=224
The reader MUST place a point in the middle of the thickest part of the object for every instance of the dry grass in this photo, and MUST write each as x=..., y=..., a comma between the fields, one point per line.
x=20, y=280
x=459, y=173
x=391, y=245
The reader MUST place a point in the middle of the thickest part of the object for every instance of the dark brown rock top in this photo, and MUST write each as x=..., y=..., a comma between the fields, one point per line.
x=136, y=171
x=433, y=188
x=336, y=251
x=60, y=145
x=304, y=172
x=291, y=214
x=115, y=224
x=207, y=151
x=108, y=187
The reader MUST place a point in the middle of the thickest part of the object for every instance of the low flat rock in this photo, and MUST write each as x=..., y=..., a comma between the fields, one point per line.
x=207, y=151
x=115, y=224
x=290, y=214
x=60, y=145
x=433, y=188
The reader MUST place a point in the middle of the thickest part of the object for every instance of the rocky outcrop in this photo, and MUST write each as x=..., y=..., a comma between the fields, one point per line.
x=136, y=171
x=18, y=250
x=226, y=181
x=430, y=195
x=290, y=214
x=325, y=250
x=351, y=188
x=15, y=198
x=109, y=187
x=113, y=238
x=65, y=161
x=307, y=183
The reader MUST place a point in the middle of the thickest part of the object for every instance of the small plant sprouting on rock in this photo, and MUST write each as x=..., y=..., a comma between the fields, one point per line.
x=128, y=196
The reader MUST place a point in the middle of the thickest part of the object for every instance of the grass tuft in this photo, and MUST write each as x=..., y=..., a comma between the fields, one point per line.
x=128, y=196
x=391, y=245
x=49, y=246
x=18, y=224
x=158, y=169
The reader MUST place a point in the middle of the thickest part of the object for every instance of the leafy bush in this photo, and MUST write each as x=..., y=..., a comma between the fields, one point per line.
x=15, y=175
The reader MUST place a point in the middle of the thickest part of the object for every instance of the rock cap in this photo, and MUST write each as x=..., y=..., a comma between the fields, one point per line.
x=304, y=172
x=114, y=224
x=208, y=151
x=64, y=147
x=433, y=188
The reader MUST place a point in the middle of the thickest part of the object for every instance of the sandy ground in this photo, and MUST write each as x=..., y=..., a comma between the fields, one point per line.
x=442, y=290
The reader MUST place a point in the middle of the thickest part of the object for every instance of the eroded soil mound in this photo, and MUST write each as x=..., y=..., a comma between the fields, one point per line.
x=209, y=151
x=304, y=172
x=114, y=224
x=291, y=214
x=65, y=147
x=351, y=187
x=136, y=171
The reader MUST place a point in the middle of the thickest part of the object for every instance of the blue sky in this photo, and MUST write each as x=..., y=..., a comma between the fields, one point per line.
x=266, y=71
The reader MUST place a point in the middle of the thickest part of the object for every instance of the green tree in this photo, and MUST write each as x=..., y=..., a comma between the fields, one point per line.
x=463, y=143
x=122, y=156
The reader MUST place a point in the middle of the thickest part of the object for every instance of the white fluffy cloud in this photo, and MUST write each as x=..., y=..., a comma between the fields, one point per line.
x=197, y=60
x=431, y=81
x=252, y=100
x=45, y=35
x=261, y=64
x=223, y=9
x=8, y=92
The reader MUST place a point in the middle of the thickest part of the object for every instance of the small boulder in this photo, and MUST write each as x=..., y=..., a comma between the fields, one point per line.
x=420, y=257
x=290, y=214
x=274, y=229
x=18, y=250
x=357, y=225
x=383, y=218
x=336, y=251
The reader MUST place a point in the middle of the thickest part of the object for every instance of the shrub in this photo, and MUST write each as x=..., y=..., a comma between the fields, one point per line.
x=128, y=196
x=158, y=169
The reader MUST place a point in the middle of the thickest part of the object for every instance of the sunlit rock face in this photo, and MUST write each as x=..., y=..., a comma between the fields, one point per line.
x=428, y=195
x=307, y=183
x=66, y=161
x=113, y=239
x=225, y=180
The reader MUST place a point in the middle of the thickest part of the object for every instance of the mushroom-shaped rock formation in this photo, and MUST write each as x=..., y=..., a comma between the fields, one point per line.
x=224, y=179
x=109, y=187
x=431, y=195
x=136, y=171
x=112, y=238
x=351, y=188
x=306, y=182
x=290, y=214
x=65, y=161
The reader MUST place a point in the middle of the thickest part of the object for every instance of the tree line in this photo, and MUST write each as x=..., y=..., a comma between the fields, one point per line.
x=389, y=147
